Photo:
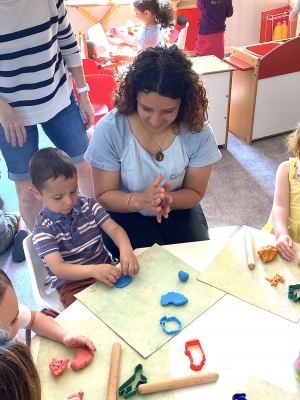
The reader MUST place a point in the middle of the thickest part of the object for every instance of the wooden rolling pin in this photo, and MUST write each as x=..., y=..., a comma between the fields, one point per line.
x=249, y=248
x=177, y=383
x=114, y=372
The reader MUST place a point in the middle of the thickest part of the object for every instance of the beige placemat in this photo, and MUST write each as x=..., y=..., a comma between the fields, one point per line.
x=134, y=312
x=93, y=379
x=259, y=389
x=229, y=272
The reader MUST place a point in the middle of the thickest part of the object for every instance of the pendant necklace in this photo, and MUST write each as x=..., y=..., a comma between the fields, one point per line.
x=159, y=156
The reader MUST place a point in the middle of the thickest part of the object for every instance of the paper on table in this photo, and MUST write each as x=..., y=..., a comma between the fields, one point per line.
x=229, y=272
x=94, y=378
x=134, y=311
x=257, y=388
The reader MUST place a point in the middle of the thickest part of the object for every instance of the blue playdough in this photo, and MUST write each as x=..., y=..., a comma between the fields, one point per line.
x=123, y=281
x=173, y=298
x=183, y=276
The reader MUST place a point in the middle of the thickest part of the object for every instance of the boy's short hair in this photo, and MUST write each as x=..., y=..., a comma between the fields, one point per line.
x=50, y=163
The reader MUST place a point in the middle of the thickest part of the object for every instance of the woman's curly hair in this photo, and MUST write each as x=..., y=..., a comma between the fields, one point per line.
x=168, y=72
x=162, y=9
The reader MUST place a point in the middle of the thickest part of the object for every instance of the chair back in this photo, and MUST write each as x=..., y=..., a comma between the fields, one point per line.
x=37, y=274
x=182, y=37
x=81, y=40
x=89, y=66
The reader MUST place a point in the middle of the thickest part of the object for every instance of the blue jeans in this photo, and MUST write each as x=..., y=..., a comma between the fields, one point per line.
x=66, y=131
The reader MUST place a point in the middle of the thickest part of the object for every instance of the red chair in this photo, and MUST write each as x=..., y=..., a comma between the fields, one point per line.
x=89, y=66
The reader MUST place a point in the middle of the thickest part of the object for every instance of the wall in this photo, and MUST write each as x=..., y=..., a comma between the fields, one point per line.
x=242, y=28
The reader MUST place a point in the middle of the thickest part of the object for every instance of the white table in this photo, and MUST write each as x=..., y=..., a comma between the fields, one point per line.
x=237, y=338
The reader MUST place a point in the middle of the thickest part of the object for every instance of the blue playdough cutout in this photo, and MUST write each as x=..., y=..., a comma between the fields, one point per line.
x=183, y=276
x=123, y=281
x=173, y=298
x=165, y=319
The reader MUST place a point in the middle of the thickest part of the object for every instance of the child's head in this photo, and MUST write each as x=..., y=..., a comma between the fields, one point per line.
x=19, y=377
x=159, y=10
x=9, y=307
x=92, y=50
x=293, y=141
x=54, y=179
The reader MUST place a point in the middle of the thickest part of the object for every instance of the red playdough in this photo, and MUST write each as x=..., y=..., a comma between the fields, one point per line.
x=58, y=365
x=82, y=359
x=80, y=394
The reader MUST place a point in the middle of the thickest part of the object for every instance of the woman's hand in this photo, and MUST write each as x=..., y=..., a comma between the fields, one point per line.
x=165, y=204
x=15, y=132
x=284, y=245
x=128, y=261
x=151, y=199
x=86, y=109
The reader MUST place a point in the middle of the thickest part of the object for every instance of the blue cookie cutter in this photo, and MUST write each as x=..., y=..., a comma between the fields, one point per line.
x=292, y=295
x=126, y=389
x=239, y=396
x=165, y=319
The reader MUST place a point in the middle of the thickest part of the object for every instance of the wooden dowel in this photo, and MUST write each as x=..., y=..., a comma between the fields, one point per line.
x=114, y=372
x=177, y=383
x=249, y=248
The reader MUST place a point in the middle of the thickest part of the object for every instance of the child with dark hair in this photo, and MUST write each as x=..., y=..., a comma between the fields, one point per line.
x=156, y=15
x=211, y=27
x=19, y=376
x=67, y=233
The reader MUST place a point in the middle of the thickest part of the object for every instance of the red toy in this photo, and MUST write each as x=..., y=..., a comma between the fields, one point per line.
x=58, y=365
x=82, y=359
x=193, y=343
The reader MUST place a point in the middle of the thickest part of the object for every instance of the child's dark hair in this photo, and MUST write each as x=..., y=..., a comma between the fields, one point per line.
x=19, y=376
x=50, y=163
x=4, y=283
x=168, y=72
x=162, y=10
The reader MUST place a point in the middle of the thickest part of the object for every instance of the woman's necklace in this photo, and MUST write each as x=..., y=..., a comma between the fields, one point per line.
x=159, y=156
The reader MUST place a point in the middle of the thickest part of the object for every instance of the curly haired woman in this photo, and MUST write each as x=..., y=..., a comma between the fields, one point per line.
x=152, y=156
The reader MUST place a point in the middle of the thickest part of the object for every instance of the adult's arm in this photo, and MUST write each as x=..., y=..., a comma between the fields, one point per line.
x=280, y=211
x=12, y=124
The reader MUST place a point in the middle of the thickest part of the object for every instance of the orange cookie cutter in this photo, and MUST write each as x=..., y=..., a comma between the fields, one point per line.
x=192, y=343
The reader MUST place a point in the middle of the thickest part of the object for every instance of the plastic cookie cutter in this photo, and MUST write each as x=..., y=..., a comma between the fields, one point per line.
x=126, y=389
x=165, y=319
x=194, y=343
x=292, y=295
x=239, y=396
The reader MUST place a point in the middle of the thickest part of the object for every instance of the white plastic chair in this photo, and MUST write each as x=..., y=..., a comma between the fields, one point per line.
x=37, y=274
x=182, y=37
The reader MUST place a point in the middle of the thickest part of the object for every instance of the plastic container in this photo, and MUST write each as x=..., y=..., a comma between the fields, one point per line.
x=277, y=33
x=285, y=29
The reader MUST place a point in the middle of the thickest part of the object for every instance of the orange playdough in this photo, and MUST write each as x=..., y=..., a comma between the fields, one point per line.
x=267, y=253
x=82, y=359
x=58, y=365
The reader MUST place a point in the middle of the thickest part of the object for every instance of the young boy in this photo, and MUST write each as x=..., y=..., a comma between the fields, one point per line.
x=67, y=232
x=14, y=316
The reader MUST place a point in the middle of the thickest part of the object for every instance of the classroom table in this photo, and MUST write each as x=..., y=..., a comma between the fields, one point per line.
x=238, y=339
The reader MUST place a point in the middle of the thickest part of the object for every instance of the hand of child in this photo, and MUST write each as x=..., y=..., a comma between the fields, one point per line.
x=107, y=274
x=129, y=262
x=284, y=245
x=75, y=396
x=113, y=32
x=79, y=341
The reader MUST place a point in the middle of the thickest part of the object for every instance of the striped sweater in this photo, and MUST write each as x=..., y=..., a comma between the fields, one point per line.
x=37, y=45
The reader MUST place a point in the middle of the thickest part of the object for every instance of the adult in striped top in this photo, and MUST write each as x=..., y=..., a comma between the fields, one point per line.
x=67, y=233
x=38, y=57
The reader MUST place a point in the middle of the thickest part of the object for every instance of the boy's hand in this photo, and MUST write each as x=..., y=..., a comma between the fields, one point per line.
x=284, y=245
x=129, y=262
x=79, y=341
x=107, y=274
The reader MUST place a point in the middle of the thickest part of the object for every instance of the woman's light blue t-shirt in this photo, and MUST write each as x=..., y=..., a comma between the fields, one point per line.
x=113, y=147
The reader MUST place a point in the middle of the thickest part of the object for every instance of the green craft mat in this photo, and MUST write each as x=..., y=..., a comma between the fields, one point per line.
x=94, y=378
x=134, y=312
x=258, y=389
x=229, y=272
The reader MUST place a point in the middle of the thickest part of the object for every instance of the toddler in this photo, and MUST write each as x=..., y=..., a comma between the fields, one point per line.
x=67, y=233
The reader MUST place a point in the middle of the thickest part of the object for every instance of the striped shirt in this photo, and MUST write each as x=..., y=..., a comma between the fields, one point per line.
x=78, y=239
x=37, y=45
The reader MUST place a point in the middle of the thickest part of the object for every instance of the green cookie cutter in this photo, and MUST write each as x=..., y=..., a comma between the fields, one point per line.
x=292, y=295
x=126, y=389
